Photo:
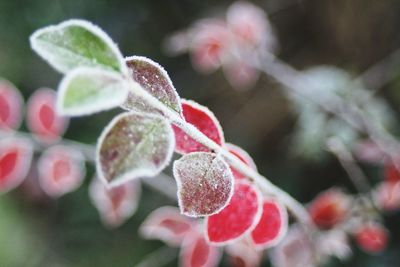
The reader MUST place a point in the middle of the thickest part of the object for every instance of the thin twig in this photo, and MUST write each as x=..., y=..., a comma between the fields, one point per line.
x=356, y=175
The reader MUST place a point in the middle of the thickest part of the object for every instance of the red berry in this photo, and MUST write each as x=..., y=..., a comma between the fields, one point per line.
x=372, y=238
x=329, y=208
x=42, y=117
x=10, y=106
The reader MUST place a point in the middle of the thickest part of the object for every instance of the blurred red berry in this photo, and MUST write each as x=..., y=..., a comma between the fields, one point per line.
x=11, y=105
x=42, y=117
x=61, y=170
x=372, y=238
x=329, y=208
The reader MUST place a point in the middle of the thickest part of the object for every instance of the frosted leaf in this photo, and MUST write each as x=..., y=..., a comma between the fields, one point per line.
x=205, y=183
x=117, y=204
x=11, y=106
x=61, y=170
x=155, y=80
x=196, y=252
x=272, y=226
x=334, y=243
x=15, y=161
x=296, y=250
x=238, y=218
x=204, y=120
x=166, y=224
x=77, y=43
x=42, y=118
x=134, y=145
x=243, y=156
x=87, y=90
x=243, y=253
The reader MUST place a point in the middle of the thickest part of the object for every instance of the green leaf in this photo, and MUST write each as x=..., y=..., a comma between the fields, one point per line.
x=155, y=80
x=88, y=90
x=77, y=43
x=134, y=145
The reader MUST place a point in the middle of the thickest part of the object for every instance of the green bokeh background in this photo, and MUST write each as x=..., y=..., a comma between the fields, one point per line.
x=351, y=34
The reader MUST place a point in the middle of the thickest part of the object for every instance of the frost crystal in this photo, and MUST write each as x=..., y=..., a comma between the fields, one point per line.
x=205, y=183
x=134, y=145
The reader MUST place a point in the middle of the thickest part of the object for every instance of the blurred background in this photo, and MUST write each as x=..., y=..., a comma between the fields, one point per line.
x=350, y=34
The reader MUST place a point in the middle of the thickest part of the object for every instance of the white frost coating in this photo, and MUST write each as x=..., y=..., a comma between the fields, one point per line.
x=15, y=104
x=209, y=113
x=52, y=59
x=114, y=214
x=151, y=228
x=23, y=162
x=58, y=186
x=188, y=247
x=198, y=169
x=256, y=218
x=115, y=88
x=163, y=72
x=241, y=152
x=297, y=208
x=139, y=172
x=282, y=231
x=245, y=250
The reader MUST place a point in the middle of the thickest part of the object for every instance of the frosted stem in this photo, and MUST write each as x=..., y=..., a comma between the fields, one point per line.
x=293, y=205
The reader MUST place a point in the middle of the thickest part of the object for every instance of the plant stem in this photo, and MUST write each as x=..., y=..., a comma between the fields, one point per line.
x=357, y=176
x=352, y=114
x=266, y=186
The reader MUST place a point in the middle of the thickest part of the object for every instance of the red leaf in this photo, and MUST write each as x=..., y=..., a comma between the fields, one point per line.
x=167, y=224
x=329, y=208
x=42, y=118
x=196, y=252
x=11, y=105
x=238, y=218
x=61, y=170
x=272, y=226
x=15, y=159
x=116, y=204
x=205, y=183
x=240, y=74
x=204, y=120
x=372, y=238
x=295, y=250
x=243, y=156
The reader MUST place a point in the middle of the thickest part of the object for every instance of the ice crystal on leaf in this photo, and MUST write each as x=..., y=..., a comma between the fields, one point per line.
x=238, y=218
x=204, y=120
x=167, y=224
x=205, y=183
x=134, y=145
x=155, y=80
